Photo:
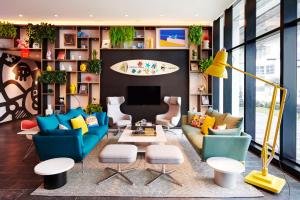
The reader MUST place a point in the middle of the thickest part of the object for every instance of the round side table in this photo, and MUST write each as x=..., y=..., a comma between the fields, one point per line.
x=54, y=171
x=225, y=170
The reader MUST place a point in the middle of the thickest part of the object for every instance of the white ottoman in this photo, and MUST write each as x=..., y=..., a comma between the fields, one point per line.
x=163, y=154
x=118, y=153
x=54, y=171
x=225, y=170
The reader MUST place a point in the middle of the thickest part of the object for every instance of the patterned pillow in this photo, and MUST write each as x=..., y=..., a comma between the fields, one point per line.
x=197, y=120
x=91, y=120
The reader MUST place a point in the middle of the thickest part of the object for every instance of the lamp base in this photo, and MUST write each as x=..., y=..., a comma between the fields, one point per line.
x=269, y=182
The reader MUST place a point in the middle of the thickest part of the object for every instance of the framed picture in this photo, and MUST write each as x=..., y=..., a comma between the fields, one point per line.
x=168, y=38
x=69, y=39
x=205, y=100
x=83, y=89
x=194, y=67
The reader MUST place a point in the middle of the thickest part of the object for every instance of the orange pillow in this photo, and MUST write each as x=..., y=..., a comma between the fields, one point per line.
x=207, y=123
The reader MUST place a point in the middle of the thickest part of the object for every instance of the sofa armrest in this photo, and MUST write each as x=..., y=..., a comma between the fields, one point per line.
x=184, y=119
x=226, y=132
x=235, y=147
x=53, y=146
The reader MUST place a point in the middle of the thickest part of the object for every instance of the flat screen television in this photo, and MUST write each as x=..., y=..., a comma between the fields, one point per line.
x=143, y=95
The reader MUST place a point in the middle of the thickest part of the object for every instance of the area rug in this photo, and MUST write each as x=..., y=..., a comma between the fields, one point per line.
x=195, y=175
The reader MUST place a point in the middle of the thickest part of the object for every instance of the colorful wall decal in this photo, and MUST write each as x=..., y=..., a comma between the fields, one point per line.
x=144, y=67
x=171, y=38
x=18, y=87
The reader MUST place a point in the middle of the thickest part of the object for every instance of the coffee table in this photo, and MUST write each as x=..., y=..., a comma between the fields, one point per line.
x=226, y=170
x=143, y=141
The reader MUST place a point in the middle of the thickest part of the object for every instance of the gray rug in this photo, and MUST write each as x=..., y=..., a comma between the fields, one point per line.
x=196, y=177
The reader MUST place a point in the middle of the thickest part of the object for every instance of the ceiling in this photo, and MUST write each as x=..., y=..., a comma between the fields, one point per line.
x=117, y=12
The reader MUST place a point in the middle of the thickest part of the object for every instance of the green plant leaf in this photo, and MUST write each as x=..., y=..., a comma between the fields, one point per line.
x=92, y=108
x=121, y=34
x=7, y=30
x=195, y=34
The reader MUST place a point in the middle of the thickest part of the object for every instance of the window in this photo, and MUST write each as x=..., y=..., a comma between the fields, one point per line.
x=221, y=80
x=268, y=63
x=238, y=82
x=298, y=93
x=238, y=22
x=267, y=15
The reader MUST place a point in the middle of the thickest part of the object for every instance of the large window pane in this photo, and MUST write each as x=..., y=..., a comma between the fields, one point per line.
x=267, y=67
x=238, y=23
x=267, y=15
x=298, y=94
x=238, y=82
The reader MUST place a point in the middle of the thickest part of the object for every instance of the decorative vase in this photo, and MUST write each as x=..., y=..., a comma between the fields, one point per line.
x=70, y=68
x=83, y=67
x=35, y=45
x=205, y=44
x=49, y=68
x=48, y=55
x=72, y=88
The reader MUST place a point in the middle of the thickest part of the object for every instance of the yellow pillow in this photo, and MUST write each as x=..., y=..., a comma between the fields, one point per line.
x=78, y=122
x=207, y=123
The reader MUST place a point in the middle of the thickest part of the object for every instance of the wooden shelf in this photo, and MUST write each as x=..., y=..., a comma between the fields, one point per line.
x=207, y=49
x=19, y=49
x=72, y=49
x=88, y=82
x=46, y=60
x=140, y=49
x=76, y=94
x=49, y=94
x=69, y=60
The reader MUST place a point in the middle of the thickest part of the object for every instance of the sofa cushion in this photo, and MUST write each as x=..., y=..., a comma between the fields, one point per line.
x=226, y=132
x=194, y=135
x=233, y=122
x=60, y=132
x=91, y=120
x=208, y=123
x=98, y=130
x=101, y=118
x=219, y=118
x=64, y=119
x=89, y=142
x=191, y=114
x=78, y=122
x=47, y=123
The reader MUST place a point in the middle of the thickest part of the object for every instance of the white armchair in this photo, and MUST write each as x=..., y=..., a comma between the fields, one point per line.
x=172, y=117
x=115, y=115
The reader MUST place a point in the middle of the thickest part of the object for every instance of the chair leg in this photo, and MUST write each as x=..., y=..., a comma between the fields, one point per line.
x=28, y=151
x=119, y=172
x=163, y=172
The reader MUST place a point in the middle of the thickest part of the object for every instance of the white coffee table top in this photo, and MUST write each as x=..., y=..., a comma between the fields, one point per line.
x=127, y=137
x=31, y=131
x=54, y=166
x=225, y=165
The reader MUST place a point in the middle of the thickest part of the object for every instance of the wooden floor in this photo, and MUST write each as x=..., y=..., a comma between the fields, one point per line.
x=17, y=179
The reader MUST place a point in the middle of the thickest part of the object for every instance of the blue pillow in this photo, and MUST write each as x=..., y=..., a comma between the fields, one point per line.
x=80, y=111
x=101, y=118
x=64, y=119
x=47, y=123
x=60, y=132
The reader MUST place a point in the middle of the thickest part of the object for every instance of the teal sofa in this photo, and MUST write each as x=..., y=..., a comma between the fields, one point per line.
x=52, y=142
x=231, y=143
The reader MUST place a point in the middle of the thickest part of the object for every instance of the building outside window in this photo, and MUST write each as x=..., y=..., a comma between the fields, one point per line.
x=221, y=80
x=238, y=23
x=298, y=91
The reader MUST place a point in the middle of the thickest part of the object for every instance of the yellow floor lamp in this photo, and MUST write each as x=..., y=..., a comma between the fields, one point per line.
x=258, y=178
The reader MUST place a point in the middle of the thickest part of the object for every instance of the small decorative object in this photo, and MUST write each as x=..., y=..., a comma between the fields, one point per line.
x=94, y=100
x=79, y=34
x=49, y=110
x=84, y=46
x=205, y=43
x=194, y=67
x=105, y=44
x=168, y=38
x=140, y=45
x=201, y=89
x=50, y=90
x=79, y=57
x=49, y=68
x=205, y=100
x=61, y=55
x=61, y=100
x=94, y=65
x=72, y=88
x=72, y=57
x=150, y=43
x=205, y=63
x=83, y=89
x=92, y=108
x=70, y=68
x=194, y=54
x=22, y=44
x=62, y=68
x=24, y=53
x=35, y=45
x=48, y=55
x=83, y=67
x=69, y=39
x=195, y=34
x=88, y=78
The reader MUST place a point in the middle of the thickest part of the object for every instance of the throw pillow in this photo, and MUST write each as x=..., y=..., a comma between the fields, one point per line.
x=207, y=123
x=78, y=122
x=220, y=127
x=191, y=114
x=197, y=120
x=101, y=118
x=233, y=122
x=91, y=120
x=47, y=123
x=62, y=127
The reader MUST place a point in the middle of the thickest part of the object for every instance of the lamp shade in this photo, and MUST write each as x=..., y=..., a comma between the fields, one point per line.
x=218, y=66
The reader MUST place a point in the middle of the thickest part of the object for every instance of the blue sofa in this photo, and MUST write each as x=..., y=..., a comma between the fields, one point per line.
x=52, y=142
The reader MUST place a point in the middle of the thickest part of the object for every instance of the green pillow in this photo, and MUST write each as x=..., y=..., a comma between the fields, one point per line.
x=226, y=132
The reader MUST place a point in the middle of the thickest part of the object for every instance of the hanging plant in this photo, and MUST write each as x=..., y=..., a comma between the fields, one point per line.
x=38, y=32
x=53, y=77
x=94, y=65
x=205, y=63
x=7, y=30
x=195, y=34
x=121, y=34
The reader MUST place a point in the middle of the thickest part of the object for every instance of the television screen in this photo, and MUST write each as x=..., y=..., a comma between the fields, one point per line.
x=143, y=95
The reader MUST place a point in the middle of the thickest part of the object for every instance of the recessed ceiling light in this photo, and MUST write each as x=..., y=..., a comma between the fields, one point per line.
x=20, y=15
x=91, y=15
x=126, y=15
x=56, y=15
x=161, y=15
x=196, y=15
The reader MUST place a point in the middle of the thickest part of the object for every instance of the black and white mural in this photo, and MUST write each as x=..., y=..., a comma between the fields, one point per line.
x=18, y=87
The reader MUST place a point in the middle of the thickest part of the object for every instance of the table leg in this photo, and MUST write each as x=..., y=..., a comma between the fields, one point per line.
x=55, y=181
x=226, y=180
x=29, y=150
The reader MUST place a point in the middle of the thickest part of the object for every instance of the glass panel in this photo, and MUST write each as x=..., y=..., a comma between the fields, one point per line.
x=267, y=67
x=238, y=82
x=221, y=80
x=298, y=93
x=238, y=23
x=267, y=15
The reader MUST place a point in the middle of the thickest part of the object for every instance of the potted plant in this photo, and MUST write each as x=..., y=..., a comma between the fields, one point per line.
x=94, y=65
x=121, y=34
x=195, y=34
x=92, y=108
x=7, y=30
x=38, y=32
x=205, y=63
x=53, y=77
